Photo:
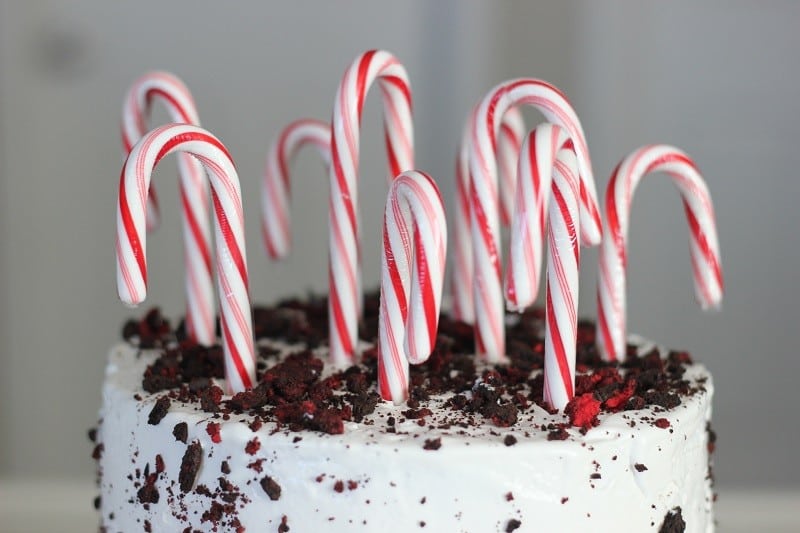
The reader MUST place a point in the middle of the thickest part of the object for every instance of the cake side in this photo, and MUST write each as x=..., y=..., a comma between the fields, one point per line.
x=171, y=460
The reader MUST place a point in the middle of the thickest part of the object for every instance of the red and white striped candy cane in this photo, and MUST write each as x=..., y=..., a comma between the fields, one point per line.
x=344, y=235
x=552, y=189
x=411, y=291
x=512, y=132
x=173, y=93
x=276, y=188
x=232, y=281
x=535, y=171
x=488, y=297
x=195, y=210
x=703, y=243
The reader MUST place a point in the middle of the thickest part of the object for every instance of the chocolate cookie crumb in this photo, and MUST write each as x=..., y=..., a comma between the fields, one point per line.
x=159, y=411
x=510, y=440
x=673, y=522
x=640, y=467
x=513, y=525
x=181, y=432
x=432, y=444
x=284, y=525
x=190, y=465
x=271, y=487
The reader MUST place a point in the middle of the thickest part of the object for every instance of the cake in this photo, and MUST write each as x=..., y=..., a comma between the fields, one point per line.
x=474, y=449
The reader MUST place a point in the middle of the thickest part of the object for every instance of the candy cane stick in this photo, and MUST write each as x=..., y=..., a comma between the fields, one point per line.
x=703, y=244
x=552, y=188
x=344, y=235
x=551, y=102
x=232, y=284
x=276, y=186
x=411, y=292
x=512, y=132
x=195, y=211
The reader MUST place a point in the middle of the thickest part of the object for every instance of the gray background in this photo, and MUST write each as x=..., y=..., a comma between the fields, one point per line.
x=719, y=80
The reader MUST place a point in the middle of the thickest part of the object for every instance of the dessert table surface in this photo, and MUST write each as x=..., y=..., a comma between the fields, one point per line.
x=56, y=505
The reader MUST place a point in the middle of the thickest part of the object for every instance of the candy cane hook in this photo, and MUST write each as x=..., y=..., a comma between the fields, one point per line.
x=411, y=291
x=703, y=244
x=344, y=274
x=276, y=225
x=232, y=281
x=195, y=210
x=488, y=298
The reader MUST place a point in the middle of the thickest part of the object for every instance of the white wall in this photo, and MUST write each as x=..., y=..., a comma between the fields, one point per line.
x=718, y=80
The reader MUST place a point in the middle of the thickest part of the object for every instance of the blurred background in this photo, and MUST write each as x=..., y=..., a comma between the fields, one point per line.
x=719, y=80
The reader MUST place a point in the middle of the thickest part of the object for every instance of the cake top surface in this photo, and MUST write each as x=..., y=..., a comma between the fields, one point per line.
x=451, y=395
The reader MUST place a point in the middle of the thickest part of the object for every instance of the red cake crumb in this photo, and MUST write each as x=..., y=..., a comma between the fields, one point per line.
x=212, y=428
x=148, y=493
x=338, y=486
x=662, y=423
x=583, y=410
x=252, y=446
x=509, y=496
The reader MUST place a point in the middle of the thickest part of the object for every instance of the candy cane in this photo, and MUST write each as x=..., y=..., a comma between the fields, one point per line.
x=411, y=292
x=552, y=188
x=703, y=245
x=195, y=211
x=512, y=132
x=535, y=170
x=232, y=284
x=551, y=102
x=276, y=186
x=344, y=235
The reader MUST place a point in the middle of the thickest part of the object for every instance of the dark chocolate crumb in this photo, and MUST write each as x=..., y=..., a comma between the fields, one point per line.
x=284, y=525
x=673, y=522
x=510, y=440
x=181, y=432
x=159, y=411
x=225, y=468
x=432, y=444
x=148, y=493
x=271, y=487
x=640, y=467
x=513, y=525
x=190, y=465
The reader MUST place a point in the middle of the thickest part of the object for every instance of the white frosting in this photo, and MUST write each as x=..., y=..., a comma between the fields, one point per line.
x=472, y=483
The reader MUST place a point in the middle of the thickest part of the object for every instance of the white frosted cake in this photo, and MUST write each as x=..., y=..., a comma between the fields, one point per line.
x=474, y=450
